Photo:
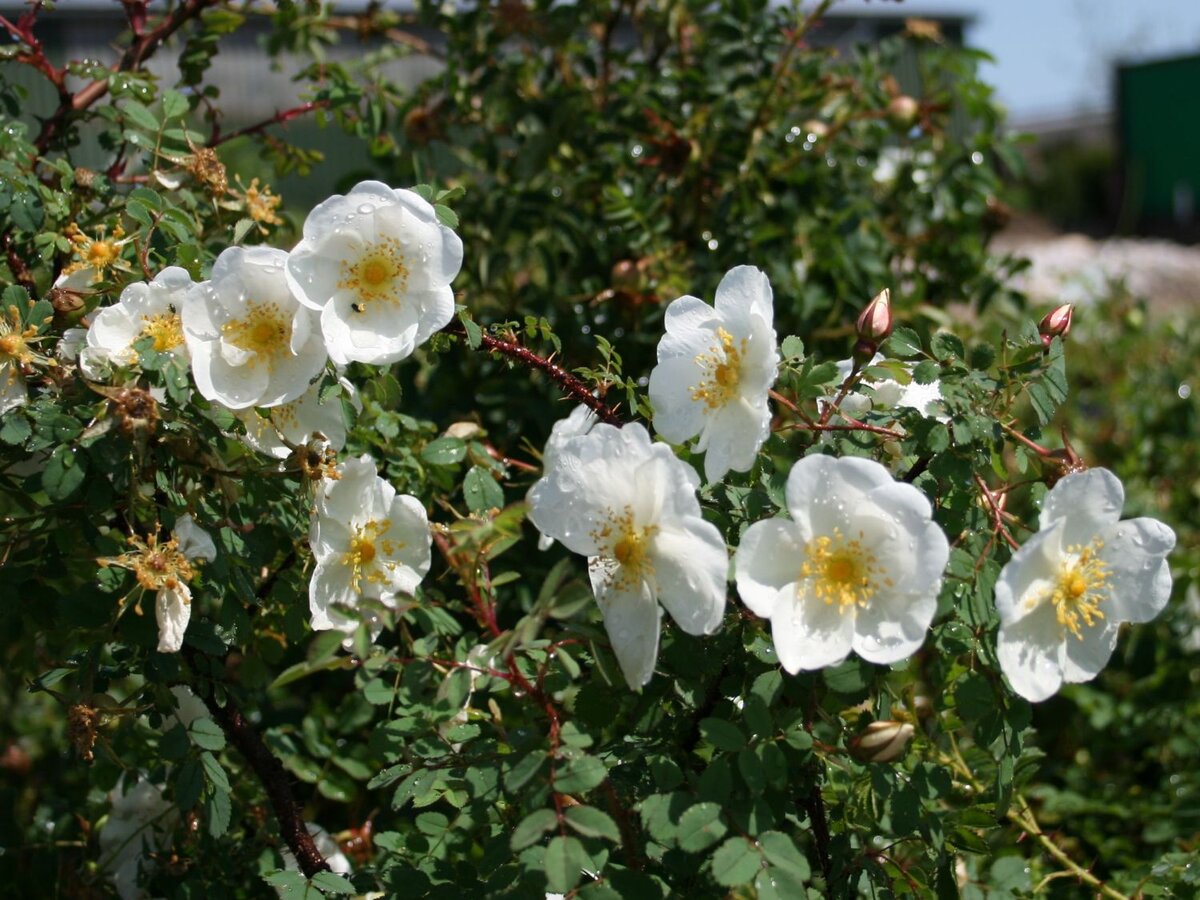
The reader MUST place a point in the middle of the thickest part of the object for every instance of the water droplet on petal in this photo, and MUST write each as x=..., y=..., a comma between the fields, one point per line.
x=365, y=209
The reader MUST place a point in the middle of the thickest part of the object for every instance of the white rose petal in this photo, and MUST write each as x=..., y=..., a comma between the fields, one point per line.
x=630, y=506
x=370, y=543
x=377, y=264
x=716, y=366
x=886, y=393
x=296, y=423
x=252, y=342
x=1066, y=591
x=857, y=567
x=145, y=310
x=580, y=421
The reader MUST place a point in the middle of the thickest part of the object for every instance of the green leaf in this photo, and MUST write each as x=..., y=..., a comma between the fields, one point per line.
x=792, y=348
x=722, y=734
x=904, y=343
x=580, y=775
x=481, y=491
x=213, y=773
x=378, y=692
x=137, y=115
x=524, y=769
x=16, y=428
x=174, y=104
x=530, y=829
x=735, y=862
x=207, y=734
x=700, y=826
x=474, y=332
x=217, y=811
x=240, y=229
x=174, y=743
x=947, y=346
x=446, y=215
x=444, y=451
x=565, y=861
x=781, y=851
x=332, y=883
x=27, y=211
x=189, y=783
x=64, y=473
x=592, y=822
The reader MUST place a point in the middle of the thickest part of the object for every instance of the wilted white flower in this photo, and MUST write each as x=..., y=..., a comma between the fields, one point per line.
x=252, y=343
x=146, y=310
x=298, y=422
x=580, y=421
x=715, y=368
x=166, y=568
x=857, y=567
x=887, y=393
x=370, y=543
x=1064, y=594
x=377, y=264
x=137, y=827
x=630, y=506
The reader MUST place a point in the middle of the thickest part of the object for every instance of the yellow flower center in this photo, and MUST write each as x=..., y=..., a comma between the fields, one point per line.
x=101, y=254
x=380, y=273
x=722, y=368
x=628, y=546
x=166, y=329
x=840, y=570
x=12, y=345
x=263, y=331
x=1081, y=587
x=158, y=565
x=365, y=545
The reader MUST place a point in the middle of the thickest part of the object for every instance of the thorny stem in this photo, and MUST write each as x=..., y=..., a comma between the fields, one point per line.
x=1024, y=819
x=847, y=386
x=271, y=774
x=1044, y=453
x=567, y=383
x=807, y=423
x=281, y=116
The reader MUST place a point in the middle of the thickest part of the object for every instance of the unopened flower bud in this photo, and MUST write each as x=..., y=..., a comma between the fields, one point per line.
x=1057, y=323
x=903, y=110
x=881, y=742
x=874, y=325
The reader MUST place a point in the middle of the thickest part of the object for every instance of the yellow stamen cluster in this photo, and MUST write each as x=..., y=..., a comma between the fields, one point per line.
x=166, y=329
x=16, y=342
x=365, y=546
x=98, y=253
x=840, y=570
x=380, y=273
x=627, y=547
x=264, y=331
x=155, y=565
x=722, y=368
x=1081, y=587
x=261, y=204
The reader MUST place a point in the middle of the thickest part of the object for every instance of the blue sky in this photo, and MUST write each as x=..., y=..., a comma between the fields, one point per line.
x=1054, y=57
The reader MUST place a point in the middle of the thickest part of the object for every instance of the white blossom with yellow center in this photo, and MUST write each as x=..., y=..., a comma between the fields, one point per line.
x=857, y=567
x=377, y=264
x=716, y=365
x=17, y=356
x=279, y=430
x=370, y=544
x=630, y=506
x=1064, y=594
x=252, y=343
x=146, y=310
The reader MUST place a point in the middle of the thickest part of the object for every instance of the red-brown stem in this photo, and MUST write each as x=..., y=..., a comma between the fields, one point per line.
x=567, y=383
x=997, y=513
x=280, y=117
x=138, y=51
x=851, y=380
x=17, y=265
x=1037, y=448
x=271, y=774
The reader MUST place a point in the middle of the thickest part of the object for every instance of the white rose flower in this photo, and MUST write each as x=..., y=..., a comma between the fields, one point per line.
x=630, y=506
x=298, y=422
x=145, y=310
x=857, y=567
x=715, y=369
x=580, y=421
x=377, y=265
x=173, y=602
x=888, y=393
x=370, y=543
x=1064, y=594
x=138, y=826
x=252, y=343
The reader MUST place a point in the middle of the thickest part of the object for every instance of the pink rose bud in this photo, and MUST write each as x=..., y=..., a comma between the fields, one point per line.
x=881, y=742
x=903, y=110
x=1057, y=323
x=874, y=325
